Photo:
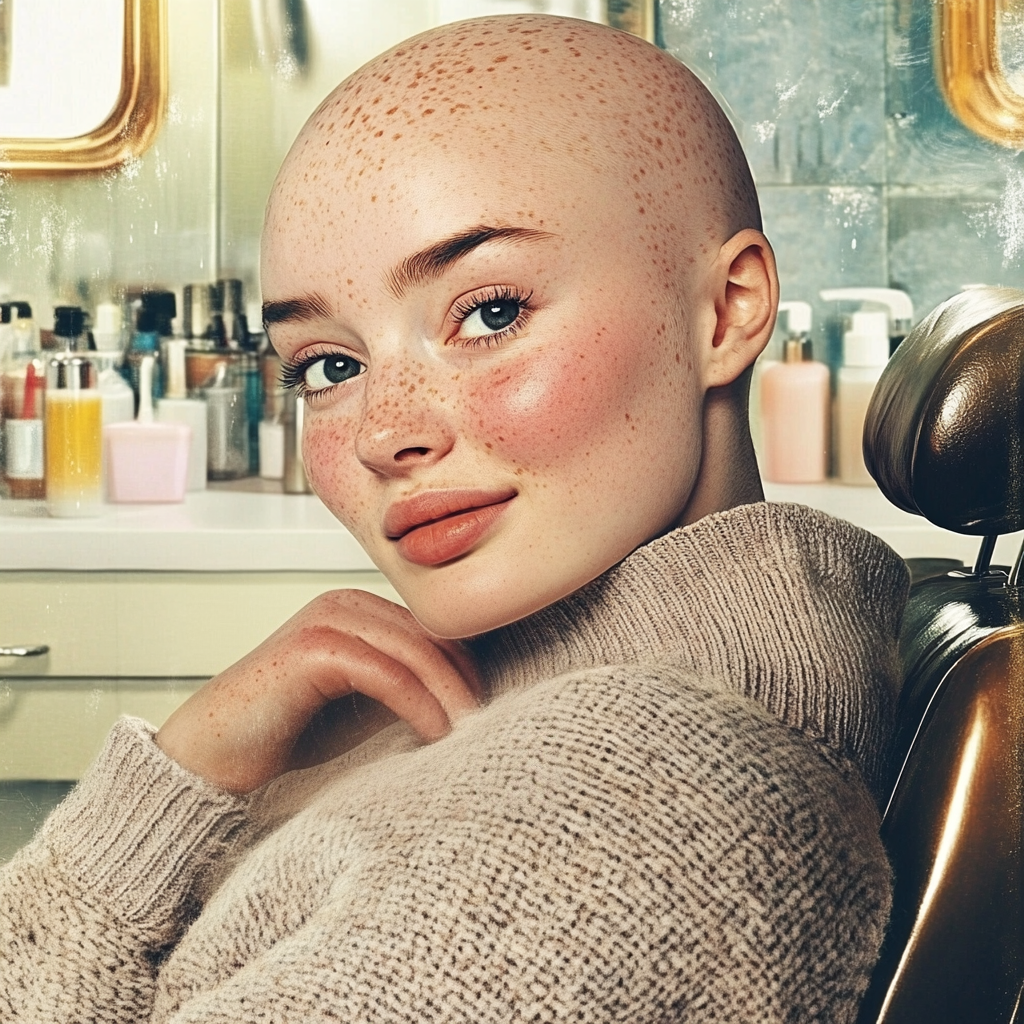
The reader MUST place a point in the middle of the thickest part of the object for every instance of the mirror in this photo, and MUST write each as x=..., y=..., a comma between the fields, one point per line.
x=82, y=86
x=971, y=72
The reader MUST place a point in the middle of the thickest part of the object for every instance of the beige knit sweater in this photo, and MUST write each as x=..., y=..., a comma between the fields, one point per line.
x=660, y=816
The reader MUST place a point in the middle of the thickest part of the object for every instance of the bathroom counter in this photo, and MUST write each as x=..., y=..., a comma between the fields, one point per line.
x=223, y=529
x=248, y=526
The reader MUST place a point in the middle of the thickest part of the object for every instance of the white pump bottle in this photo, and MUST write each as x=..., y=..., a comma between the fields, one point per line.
x=867, y=344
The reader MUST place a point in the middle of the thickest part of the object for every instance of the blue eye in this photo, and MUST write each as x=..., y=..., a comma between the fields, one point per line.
x=321, y=373
x=490, y=317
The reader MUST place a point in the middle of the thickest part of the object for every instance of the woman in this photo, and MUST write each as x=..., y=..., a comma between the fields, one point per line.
x=515, y=267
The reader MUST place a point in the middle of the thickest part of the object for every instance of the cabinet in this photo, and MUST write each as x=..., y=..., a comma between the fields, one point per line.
x=128, y=643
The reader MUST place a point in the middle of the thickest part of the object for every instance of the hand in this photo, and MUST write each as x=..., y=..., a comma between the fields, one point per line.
x=300, y=698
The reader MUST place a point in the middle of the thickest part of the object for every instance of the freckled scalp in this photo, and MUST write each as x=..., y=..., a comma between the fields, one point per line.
x=544, y=86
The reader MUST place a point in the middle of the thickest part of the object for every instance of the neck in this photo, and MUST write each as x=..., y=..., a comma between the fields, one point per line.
x=780, y=603
x=728, y=474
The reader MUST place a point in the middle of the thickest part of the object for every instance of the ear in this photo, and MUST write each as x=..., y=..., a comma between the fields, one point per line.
x=745, y=284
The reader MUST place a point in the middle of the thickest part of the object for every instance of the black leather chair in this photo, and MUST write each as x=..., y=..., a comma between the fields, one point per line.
x=944, y=438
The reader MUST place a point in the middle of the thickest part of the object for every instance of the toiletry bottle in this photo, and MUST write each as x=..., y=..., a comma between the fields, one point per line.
x=177, y=407
x=73, y=437
x=795, y=407
x=197, y=304
x=295, y=480
x=6, y=331
x=24, y=330
x=271, y=430
x=865, y=353
x=232, y=308
x=898, y=303
x=108, y=329
x=145, y=342
x=69, y=329
x=22, y=383
x=227, y=425
x=147, y=461
x=253, y=385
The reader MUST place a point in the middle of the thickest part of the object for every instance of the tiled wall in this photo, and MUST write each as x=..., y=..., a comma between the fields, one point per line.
x=865, y=176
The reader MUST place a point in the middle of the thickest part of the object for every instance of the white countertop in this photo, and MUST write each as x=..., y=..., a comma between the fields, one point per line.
x=211, y=531
x=247, y=527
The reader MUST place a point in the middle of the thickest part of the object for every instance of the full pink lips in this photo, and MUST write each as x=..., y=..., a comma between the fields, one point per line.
x=437, y=526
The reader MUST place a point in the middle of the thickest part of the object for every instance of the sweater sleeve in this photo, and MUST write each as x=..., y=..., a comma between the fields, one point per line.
x=617, y=845
x=89, y=907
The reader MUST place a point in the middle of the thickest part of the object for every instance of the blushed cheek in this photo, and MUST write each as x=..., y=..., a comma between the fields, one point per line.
x=328, y=452
x=551, y=407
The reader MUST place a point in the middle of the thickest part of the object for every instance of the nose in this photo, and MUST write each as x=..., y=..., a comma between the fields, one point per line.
x=404, y=422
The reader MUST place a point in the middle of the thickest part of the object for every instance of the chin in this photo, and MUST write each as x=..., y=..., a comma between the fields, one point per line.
x=455, y=603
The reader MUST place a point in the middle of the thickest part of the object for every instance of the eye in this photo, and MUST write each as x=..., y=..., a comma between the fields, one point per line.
x=489, y=317
x=319, y=373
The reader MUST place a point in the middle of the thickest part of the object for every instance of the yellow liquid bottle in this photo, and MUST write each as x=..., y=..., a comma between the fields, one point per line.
x=73, y=439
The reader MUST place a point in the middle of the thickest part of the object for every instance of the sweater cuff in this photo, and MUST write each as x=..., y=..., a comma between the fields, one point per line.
x=139, y=829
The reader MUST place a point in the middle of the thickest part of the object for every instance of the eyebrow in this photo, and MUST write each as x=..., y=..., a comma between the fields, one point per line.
x=426, y=265
x=309, y=307
x=430, y=263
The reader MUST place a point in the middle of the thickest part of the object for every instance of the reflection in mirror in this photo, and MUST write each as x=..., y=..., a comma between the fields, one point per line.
x=54, y=118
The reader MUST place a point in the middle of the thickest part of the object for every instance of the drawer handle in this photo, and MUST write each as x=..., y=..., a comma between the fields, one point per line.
x=24, y=652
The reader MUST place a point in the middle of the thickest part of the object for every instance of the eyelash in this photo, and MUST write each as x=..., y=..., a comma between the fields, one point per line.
x=293, y=375
x=466, y=307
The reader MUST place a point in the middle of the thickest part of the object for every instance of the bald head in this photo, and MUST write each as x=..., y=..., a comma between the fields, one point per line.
x=530, y=91
x=537, y=241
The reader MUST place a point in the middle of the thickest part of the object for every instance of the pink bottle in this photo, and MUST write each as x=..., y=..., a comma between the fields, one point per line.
x=795, y=409
x=146, y=461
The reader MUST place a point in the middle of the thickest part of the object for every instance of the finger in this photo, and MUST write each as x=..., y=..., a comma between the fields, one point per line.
x=445, y=670
x=354, y=664
x=407, y=642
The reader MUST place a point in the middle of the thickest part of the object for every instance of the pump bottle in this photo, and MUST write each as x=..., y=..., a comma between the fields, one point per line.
x=795, y=406
x=865, y=353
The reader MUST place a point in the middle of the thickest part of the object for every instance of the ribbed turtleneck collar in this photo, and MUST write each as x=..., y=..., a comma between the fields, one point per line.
x=781, y=603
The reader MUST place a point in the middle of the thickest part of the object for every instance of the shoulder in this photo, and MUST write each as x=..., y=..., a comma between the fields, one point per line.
x=681, y=760
x=701, y=822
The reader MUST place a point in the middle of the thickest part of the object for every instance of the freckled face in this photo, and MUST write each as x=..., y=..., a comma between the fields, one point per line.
x=506, y=427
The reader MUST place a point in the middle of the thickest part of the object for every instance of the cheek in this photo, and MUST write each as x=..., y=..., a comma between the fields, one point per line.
x=556, y=404
x=328, y=452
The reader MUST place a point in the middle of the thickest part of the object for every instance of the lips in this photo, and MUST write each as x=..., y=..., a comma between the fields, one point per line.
x=438, y=526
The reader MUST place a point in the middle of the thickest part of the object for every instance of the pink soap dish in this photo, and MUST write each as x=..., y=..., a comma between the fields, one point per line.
x=146, y=462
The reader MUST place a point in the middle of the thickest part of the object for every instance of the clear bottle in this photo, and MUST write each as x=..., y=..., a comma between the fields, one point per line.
x=227, y=425
x=795, y=409
x=865, y=353
x=73, y=438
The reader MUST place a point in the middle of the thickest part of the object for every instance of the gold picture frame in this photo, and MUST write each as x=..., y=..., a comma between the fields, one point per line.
x=131, y=126
x=970, y=73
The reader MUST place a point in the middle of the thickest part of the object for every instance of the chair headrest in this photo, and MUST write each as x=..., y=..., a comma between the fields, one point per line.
x=944, y=434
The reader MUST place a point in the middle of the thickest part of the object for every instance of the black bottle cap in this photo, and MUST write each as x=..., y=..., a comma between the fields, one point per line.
x=163, y=306
x=68, y=321
x=146, y=320
x=22, y=310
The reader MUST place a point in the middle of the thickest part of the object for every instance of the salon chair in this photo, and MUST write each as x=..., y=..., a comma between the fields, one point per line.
x=944, y=438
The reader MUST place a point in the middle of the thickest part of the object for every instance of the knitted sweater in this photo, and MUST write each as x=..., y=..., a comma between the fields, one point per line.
x=660, y=815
